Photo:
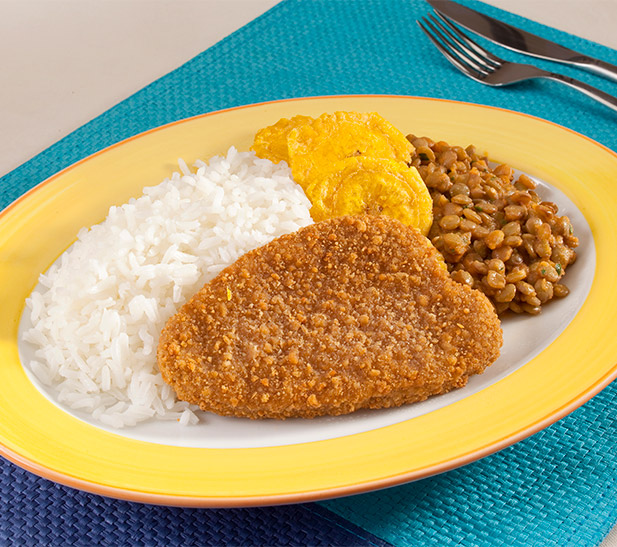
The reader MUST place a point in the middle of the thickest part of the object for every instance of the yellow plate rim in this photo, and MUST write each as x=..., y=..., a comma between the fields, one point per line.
x=148, y=494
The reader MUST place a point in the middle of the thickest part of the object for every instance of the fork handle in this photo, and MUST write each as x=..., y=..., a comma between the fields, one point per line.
x=593, y=92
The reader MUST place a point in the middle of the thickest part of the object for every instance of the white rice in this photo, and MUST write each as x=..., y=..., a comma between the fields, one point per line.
x=98, y=311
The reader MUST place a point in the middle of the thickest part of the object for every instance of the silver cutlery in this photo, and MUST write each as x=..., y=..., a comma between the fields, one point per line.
x=520, y=40
x=482, y=66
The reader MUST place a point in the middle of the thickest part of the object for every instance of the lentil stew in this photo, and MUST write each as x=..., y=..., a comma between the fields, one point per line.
x=495, y=233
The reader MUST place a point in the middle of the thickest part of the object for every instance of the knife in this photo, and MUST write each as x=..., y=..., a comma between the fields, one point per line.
x=520, y=40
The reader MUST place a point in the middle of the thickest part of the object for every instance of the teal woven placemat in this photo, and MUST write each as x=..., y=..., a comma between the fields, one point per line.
x=555, y=488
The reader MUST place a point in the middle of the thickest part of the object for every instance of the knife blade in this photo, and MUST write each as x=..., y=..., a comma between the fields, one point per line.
x=520, y=40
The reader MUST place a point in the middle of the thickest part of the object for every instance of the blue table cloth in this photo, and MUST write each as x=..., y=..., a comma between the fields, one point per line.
x=557, y=487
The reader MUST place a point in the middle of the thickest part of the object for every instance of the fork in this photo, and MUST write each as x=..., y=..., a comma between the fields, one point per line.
x=484, y=67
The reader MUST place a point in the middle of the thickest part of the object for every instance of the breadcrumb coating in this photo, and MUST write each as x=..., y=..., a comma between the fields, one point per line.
x=348, y=313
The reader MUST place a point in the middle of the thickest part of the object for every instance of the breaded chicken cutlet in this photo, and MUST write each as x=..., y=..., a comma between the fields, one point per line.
x=349, y=313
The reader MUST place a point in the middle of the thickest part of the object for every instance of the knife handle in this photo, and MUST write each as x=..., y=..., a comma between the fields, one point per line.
x=594, y=93
x=603, y=68
x=598, y=66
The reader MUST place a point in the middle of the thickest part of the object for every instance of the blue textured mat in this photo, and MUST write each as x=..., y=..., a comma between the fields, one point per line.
x=37, y=512
x=555, y=488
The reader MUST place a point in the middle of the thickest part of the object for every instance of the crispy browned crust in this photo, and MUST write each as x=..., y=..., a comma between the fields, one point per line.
x=348, y=313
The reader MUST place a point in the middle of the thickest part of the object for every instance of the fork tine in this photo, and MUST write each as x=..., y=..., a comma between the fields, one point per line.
x=480, y=63
x=477, y=48
x=455, y=55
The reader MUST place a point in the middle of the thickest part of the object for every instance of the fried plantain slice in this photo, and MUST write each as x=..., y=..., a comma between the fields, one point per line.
x=316, y=146
x=363, y=185
x=271, y=142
